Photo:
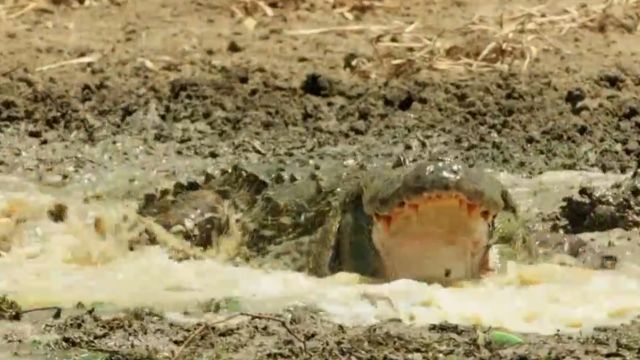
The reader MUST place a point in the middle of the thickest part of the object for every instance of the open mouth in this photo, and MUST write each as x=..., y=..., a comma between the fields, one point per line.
x=435, y=237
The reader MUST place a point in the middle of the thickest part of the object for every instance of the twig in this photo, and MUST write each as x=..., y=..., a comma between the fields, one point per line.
x=250, y=315
x=199, y=330
x=372, y=28
x=81, y=60
x=267, y=10
x=56, y=314
x=26, y=9
x=16, y=314
x=284, y=325
x=189, y=339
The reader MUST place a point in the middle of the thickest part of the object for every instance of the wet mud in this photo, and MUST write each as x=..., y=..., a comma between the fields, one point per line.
x=190, y=80
x=302, y=333
x=617, y=207
x=503, y=121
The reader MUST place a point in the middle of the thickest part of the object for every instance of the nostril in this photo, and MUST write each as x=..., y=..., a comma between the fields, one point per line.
x=485, y=214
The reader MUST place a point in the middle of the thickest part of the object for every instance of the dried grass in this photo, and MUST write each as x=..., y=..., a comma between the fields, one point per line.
x=345, y=29
x=249, y=11
x=352, y=9
x=13, y=9
x=349, y=9
x=608, y=15
x=508, y=41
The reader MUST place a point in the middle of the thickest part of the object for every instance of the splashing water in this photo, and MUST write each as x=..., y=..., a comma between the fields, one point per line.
x=82, y=259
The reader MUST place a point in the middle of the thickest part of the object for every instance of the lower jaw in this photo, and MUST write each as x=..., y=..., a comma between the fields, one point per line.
x=433, y=239
x=440, y=264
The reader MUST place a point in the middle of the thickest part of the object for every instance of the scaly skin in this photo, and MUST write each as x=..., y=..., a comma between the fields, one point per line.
x=432, y=221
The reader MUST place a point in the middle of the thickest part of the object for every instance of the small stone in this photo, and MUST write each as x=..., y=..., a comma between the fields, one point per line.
x=398, y=98
x=631, y=110
x=612, y=80
x=608, y=262
x=189, y=225
x=348, y=61
x=279, y=178
x=574, y=97
x=358, y=127
x=318, y=85
x=234, y=47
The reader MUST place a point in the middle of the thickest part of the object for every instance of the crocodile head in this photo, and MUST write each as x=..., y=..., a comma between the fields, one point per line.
x=432, y=222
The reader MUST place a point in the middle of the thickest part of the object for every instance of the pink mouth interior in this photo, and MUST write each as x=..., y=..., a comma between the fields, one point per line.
x=436, y=237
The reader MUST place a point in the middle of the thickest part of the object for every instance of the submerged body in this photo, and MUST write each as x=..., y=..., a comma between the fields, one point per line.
x=430, y=221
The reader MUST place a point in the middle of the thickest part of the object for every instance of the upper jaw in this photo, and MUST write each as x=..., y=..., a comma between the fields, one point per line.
x=434, y=258
x=383, y=194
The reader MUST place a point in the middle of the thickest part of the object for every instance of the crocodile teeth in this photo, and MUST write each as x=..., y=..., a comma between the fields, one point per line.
x=471, y=208
x=385, y=220
x=408, y=212
x=413, y=207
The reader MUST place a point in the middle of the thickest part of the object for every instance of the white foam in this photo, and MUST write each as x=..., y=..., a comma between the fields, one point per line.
x=61, y=264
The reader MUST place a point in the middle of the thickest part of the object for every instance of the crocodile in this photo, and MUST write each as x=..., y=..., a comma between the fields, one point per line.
x=434, y=220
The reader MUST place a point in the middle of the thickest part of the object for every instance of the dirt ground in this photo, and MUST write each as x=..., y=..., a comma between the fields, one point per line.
x=300, y=333
x=230, y=79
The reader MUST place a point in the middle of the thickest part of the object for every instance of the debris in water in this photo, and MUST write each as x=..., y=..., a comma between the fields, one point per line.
x=9, y=309
x=58, y=213
x=501, y=338
x=229, y=304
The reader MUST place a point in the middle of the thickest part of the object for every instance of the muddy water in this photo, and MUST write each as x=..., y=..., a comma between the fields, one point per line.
x=62, y=263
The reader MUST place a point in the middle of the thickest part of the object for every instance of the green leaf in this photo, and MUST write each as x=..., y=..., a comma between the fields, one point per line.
x=505, y=339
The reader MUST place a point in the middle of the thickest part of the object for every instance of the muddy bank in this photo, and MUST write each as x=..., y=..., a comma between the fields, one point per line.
x=194, y=77
x=301, y=333
x=529, y=124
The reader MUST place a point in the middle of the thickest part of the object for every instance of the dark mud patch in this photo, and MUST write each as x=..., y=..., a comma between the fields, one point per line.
x=301, y=333
x=591, y=210
x=525, y=124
